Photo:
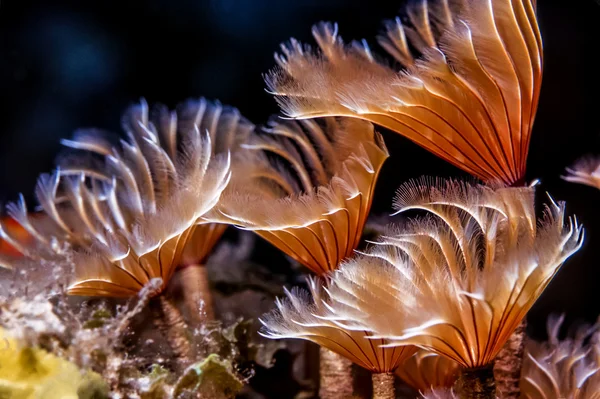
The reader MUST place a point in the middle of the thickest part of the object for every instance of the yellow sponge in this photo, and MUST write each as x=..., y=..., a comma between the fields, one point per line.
x=32, y=373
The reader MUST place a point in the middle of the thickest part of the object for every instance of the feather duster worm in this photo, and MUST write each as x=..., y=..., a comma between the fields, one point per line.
x=228, y=130
x=460, y=282
x=127, y=215
x=427, y=370
x=470, y=99
x=585, y=171
x=307, y=188
x=563, y=369
x=308, y=316
x=175, y=166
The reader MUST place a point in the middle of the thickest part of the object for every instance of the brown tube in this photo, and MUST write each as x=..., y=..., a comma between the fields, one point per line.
x=383, y=386
x=477, y=383
x=336, y=376
x=507, y=368
x=196, y=293
x=171, y=324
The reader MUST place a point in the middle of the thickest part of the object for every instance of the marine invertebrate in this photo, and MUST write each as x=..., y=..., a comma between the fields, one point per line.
x=470, y=98
x=585, y=171
x=563, y=369
x=426, y=370
x=128, y=217
x=442, y=393
x=459, y=282
x=309, y=316
x=307, y=187
x=130, y=214
x=311, y=202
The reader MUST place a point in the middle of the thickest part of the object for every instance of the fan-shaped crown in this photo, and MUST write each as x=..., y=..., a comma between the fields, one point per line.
x=470, y=99
x=125, y=214
x=460, y=282
x=307, y=187
x=308, y=316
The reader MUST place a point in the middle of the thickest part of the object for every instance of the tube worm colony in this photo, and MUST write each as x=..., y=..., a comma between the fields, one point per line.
x=435, y=299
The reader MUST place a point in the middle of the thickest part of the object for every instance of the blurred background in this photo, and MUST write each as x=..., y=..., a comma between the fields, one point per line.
x=71, y=64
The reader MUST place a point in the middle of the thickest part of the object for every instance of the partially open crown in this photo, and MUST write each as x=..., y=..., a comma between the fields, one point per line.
x=307, y=187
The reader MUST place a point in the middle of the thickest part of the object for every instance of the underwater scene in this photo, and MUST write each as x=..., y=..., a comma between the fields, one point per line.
x=264, y=199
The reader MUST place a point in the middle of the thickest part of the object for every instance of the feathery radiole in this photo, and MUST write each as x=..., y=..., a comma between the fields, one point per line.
x=309, y=316
x=127, y=215
x=470, y=98
x=307, y=188
x=585, y=171
x=459, y=281
x=426, y=370
x=563, y=369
